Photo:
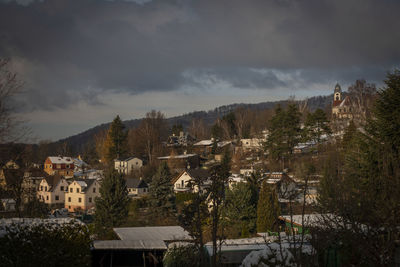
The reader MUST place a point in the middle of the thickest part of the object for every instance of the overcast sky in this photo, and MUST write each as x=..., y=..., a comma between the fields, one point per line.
x=85, y=61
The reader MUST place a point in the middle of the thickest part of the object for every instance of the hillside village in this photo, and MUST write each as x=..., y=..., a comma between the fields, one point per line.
x=262, y=181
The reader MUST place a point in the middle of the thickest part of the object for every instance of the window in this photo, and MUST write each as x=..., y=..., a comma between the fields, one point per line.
x=77, y=190
x=94, y=189
x=79, y=200
x=47, y=197
x=50, y=166
x=41, y=188
x=129, y=190
x=57, y=198
x=45, y=188
x=69, y=199
x=67, y=167
x=90, y=200
x=62, y=188
x=183, y=183
x=71, y=189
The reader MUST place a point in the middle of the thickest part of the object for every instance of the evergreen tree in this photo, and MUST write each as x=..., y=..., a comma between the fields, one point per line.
x=116, y=141
x=239, y=210
x=362, y=186
x=162, y=197
x=112, y=205
x=268, y=209
x=316, y=125
x=284, y=128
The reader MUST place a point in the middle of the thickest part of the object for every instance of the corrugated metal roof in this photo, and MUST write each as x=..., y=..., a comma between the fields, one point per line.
x=130, y=244
x=157, y=233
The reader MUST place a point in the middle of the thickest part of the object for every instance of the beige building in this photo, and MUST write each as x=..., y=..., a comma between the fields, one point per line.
x=52, y=189
x=81, y=194
x=128, y=165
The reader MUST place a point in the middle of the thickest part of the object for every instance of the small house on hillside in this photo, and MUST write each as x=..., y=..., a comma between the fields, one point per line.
x=52, y=190
x=136, y=187
x=81, y=194
x=182, y=181
x=128, y=165
x=285, y=185
x=63, y=166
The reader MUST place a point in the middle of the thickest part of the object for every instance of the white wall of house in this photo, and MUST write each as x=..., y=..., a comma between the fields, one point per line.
x=127, y=166
x=54, y=195
x=78, y=198
x=137, y=191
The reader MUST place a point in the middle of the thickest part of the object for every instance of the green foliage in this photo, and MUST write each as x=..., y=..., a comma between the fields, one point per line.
x=316, y=125
x=285, y=131
x=116, y=140
x=268, y=209
x=183, y=197
x=161, y=193
x=188, y=255
x=240, y=208
x=361, y=184
x=45, y=245
x=112, y=205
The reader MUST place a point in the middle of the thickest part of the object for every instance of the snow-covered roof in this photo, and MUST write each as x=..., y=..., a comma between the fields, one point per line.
x=204, y=143
x=155, y=233
x=81, y=183
x=183, y=156
x=309, y=219
x=61, y=160
x=130, y=244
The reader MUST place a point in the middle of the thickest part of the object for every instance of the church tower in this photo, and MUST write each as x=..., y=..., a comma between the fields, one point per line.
x=337, y=95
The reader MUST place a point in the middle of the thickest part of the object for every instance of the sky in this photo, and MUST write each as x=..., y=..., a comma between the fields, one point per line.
x=82, y=62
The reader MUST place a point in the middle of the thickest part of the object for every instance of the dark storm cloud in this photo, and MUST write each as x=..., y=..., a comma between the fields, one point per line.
x=67, y=50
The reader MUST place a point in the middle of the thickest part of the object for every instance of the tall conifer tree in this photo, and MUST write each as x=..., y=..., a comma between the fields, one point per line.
x=268, y=209
x=112, y=205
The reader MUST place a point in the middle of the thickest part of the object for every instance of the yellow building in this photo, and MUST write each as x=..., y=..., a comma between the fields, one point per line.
x=81, y=194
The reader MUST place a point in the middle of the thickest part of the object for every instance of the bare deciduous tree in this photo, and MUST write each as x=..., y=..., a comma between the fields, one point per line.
x=9, y=87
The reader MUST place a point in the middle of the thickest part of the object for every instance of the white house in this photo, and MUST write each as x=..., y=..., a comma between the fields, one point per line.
x=81, y=194
x=182, y=181
x=136, y=187
x=127, y=166
x=52, y=189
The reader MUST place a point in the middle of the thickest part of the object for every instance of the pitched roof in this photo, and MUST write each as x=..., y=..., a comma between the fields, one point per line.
x=35, y=173
x=135, y=183
x=201, y=174
x=53, y=180
x=61, y=160
x=85, y=183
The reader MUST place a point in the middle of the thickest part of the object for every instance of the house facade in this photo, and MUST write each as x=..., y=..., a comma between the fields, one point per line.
x=182, y=181
x=63, y=166
x=136, y=187
x=127, y=166
x=81, y=194
x=52, y=190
